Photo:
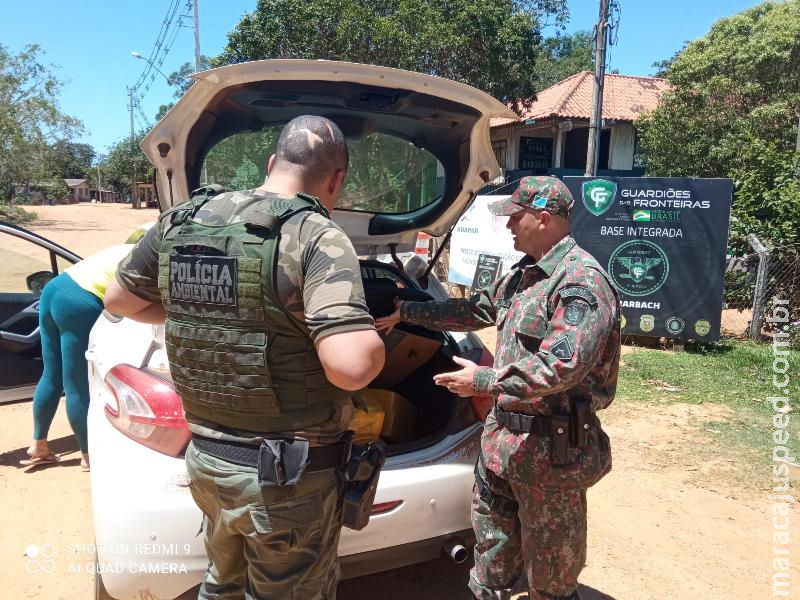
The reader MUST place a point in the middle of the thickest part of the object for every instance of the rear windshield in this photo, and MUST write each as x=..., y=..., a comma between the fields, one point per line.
x=387, y=174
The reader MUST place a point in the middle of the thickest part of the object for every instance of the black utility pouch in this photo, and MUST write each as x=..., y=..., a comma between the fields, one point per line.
x=560, y=440
x=361, y=482
x=281, y=462
x=580, y=422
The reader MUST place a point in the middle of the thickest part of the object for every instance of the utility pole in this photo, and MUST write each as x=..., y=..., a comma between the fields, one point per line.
x=596, y=121
x=198, y=66
x=99, y=187
x=134, y=195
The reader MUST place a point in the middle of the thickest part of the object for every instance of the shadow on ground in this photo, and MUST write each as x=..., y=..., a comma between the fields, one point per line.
x=63, y=446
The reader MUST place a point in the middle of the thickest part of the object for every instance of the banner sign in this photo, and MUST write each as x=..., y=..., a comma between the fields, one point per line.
x=663, y=242
x=486, y=272
x=480, y=232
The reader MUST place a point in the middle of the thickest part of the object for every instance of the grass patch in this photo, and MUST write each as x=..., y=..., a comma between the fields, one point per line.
x=16, y=214
x=735, y=373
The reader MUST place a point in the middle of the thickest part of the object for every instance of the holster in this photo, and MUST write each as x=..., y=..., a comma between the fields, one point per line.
x=361, y=482
x=281, y=462
x=580, y=422
x=560, y=440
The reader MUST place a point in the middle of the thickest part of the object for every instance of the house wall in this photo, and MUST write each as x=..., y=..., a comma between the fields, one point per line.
x=622, y=143
x=511, y=137
x=80, y=193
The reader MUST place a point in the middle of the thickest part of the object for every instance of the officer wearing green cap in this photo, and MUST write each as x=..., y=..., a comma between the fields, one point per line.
x=267, y=332
x=556, y=362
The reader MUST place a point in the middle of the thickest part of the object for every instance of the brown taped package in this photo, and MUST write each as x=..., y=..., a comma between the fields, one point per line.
x=399, y=415
x=367, y=422
x=405, y=352
x=385, y=414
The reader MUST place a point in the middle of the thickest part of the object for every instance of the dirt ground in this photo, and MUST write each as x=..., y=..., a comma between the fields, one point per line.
x=671, y=521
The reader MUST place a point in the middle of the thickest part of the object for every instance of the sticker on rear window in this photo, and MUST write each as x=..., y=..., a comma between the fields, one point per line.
x=203, y=279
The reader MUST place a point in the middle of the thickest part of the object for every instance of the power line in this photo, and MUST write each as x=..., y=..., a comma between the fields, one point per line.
x=167, y=35
x=166, y=23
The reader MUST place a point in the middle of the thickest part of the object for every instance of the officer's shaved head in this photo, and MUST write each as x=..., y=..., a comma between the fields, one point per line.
x=312, y=146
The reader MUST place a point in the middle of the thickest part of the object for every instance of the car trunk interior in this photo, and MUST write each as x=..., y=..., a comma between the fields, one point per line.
x=424, y=412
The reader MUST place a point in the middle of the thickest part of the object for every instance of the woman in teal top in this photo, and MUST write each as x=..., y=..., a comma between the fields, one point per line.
x=68, y=308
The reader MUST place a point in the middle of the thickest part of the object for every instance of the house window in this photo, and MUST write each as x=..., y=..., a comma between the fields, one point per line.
x=499, y=148
x=535, y=154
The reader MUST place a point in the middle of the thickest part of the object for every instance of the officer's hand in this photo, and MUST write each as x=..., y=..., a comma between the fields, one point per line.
x=388, y=322
x=459, y=382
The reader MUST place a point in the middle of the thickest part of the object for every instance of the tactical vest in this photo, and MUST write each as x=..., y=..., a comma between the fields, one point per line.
x=237, y=357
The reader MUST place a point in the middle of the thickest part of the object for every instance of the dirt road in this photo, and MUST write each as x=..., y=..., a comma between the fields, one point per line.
x=672, y=520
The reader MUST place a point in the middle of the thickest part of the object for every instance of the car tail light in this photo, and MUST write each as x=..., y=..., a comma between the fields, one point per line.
x=385, y=507
x=148, y=410
x=482, y=404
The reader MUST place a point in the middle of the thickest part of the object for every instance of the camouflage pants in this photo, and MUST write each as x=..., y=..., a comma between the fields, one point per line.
x=266, y=543
x=546, y=534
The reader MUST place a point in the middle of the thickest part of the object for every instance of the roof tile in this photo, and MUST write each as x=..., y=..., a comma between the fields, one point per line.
x=625, y=97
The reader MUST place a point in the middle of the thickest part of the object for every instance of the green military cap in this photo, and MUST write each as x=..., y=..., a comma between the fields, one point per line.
x=538, y=193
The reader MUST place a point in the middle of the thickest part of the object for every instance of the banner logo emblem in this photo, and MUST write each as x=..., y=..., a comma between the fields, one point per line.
x=638, y=267
x=598, y=195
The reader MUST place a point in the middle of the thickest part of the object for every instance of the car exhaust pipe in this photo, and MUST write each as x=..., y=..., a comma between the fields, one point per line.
x=455, y=551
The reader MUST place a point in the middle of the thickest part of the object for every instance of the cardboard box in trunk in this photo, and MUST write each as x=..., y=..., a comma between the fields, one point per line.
x=405, y=353
x=399, y=414
x=367, y=422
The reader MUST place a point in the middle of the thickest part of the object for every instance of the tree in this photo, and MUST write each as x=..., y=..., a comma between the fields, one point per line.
x=563, y=56
x=247, y=176
x=123, y=160
x=30, y=120
x=733, y=112
x=490, y=44
x=70, y=159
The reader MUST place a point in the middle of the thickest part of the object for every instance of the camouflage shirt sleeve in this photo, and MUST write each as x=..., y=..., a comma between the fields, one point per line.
x=138, y=272
x=319, y=281
x=456, y=314
x=584, y=313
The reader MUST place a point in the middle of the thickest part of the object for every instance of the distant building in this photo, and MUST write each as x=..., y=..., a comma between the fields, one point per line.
x=551, y=136
x=79, y=189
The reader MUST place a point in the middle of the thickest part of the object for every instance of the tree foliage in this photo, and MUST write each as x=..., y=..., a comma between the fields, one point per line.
x=733, y=112
x=563, y=56
x=70, y=160
x=31, y=124
x=490, y=44
x=123, y=160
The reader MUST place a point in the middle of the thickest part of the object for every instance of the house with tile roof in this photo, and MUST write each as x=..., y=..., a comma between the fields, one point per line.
x=552, y=133
x=79, y=189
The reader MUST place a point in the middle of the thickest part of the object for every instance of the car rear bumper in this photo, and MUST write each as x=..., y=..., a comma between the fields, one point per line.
x=148, y=528
x=395, y=557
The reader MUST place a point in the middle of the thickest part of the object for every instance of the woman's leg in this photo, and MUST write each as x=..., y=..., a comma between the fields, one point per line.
x=76, y=314
x=50, y=386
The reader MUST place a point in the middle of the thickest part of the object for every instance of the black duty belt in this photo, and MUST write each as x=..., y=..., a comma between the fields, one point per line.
x=322, y=458
x=522, y=423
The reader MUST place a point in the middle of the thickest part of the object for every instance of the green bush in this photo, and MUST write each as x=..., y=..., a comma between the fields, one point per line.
x=15, y=214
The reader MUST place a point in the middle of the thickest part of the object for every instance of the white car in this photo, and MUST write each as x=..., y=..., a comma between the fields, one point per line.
x=420, y=152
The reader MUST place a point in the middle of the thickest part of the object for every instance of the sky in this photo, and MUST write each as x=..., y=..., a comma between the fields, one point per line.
x=89, y=43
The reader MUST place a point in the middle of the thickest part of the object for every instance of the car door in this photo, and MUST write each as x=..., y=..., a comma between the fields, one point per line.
x=27, y=262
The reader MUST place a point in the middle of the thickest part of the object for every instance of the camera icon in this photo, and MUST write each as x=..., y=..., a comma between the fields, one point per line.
x=40, y=559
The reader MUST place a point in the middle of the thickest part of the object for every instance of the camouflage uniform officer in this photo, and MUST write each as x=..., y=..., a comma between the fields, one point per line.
x=267, y=328
x=558, y=341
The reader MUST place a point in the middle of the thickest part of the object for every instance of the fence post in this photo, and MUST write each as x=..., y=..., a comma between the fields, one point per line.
x=762, y=278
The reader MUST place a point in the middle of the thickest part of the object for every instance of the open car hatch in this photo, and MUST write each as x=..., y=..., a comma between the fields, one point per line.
x=419, y=145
